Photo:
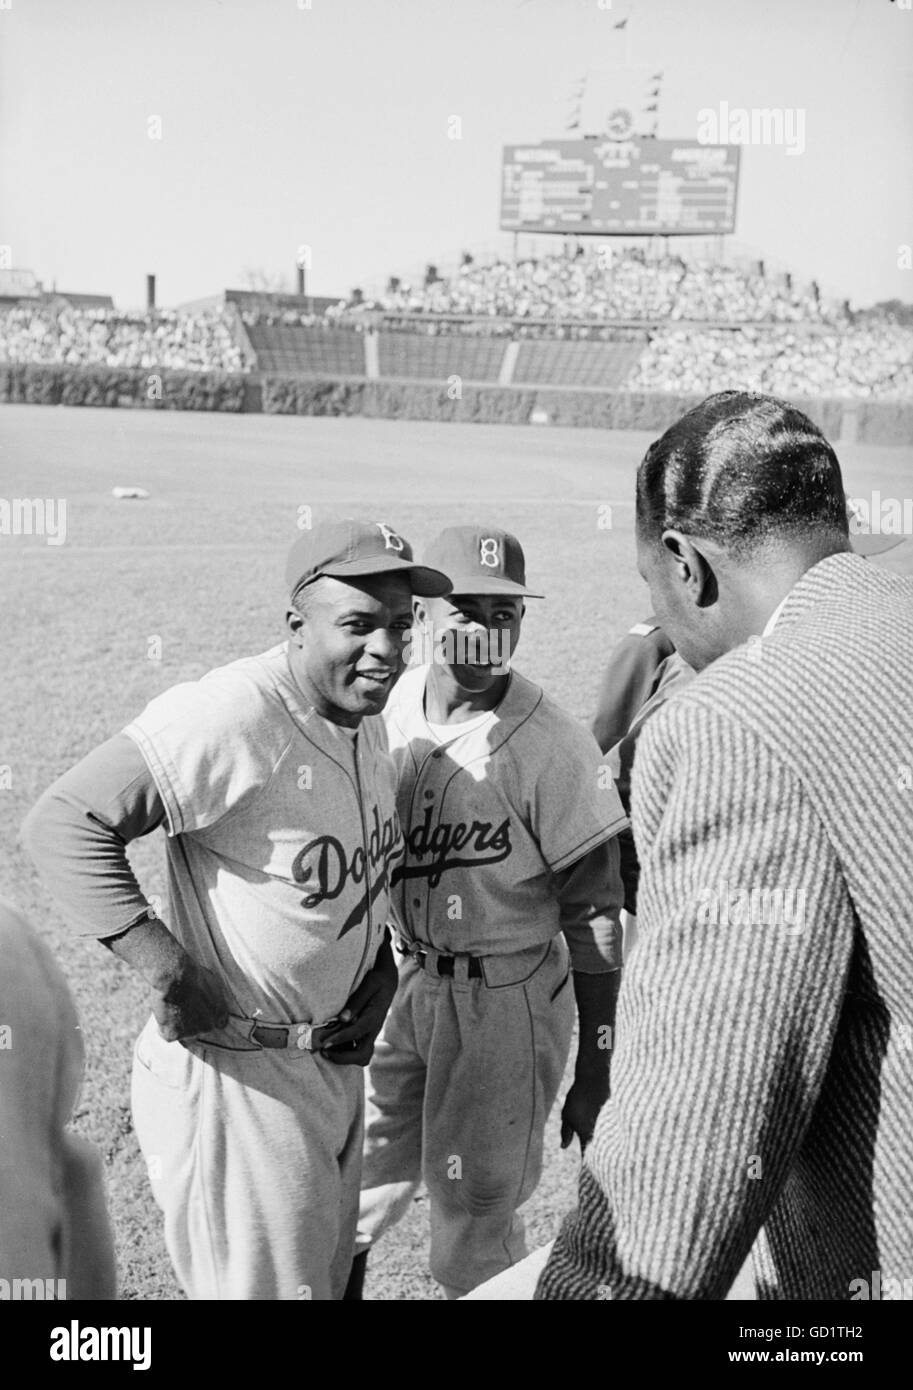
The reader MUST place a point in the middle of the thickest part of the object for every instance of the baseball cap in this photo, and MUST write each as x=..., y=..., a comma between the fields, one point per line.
x=480, y=560
x=348, y=549
x=863, y=539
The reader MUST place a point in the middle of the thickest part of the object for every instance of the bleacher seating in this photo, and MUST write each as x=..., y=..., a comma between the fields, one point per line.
x=422, y=357
x=55, y=333
x=866, y=363
x=306, y=351
x=607, y=365
x=587, y=321
x=600, y=283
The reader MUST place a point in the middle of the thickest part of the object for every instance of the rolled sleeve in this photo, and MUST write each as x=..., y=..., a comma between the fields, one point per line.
x=78, y=832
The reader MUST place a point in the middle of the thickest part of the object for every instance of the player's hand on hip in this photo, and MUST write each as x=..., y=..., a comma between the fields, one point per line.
x=581, y=1110
x=352, y=1045
x=192, y=1002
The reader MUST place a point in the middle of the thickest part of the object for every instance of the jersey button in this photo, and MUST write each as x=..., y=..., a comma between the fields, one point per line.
x=416, y=902
x=437, y=752
x=429, y=796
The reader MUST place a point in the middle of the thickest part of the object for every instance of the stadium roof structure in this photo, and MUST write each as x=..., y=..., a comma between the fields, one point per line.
x=275, y=302
x=23, y=287
x=19, y=284
x=83, y=301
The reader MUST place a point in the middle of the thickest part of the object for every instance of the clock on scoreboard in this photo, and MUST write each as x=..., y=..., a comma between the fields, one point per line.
x=636, y=186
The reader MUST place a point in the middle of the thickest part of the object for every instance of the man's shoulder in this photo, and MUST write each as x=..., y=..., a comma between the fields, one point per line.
x=749, y=680
x=241, y=701
x=839, y=629
x=547, y=725
x=645, y=642
x=256, y=676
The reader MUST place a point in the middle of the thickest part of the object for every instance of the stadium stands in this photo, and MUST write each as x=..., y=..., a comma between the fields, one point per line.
x=104, y=337
x=601, y=284
x=423, y=357
x=606, y=365
x=594, y=320
x=859, y=362
x=305, y=349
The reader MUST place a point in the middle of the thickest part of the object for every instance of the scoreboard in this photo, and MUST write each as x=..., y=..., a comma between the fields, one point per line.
x=638, y=186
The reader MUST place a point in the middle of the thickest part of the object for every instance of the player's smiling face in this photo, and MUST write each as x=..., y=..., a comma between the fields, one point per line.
x=474, y=635
x=347, y=643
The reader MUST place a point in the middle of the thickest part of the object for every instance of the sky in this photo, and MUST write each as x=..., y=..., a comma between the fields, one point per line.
x=327, y=124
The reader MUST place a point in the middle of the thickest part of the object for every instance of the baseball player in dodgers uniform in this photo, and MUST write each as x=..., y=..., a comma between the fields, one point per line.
x=510, y=825
x=274, y=970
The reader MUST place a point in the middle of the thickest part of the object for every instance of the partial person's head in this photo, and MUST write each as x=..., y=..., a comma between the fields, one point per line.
x=734, y=503
x=475, y=629
x=351, y=585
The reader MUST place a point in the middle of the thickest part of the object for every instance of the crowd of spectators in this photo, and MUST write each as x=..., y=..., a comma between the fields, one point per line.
x=292, y=318
x=449, y=326
x=61, y=335
x=791, y=341
x=857, y=361
x=600, y=283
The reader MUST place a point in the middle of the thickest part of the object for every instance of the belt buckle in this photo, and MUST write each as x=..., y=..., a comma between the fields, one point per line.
x=296, y=1036
x=305, y=1034
x=413, y=950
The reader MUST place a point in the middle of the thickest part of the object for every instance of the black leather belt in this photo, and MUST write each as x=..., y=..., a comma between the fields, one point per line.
x=445, y=965
x=305, y=1037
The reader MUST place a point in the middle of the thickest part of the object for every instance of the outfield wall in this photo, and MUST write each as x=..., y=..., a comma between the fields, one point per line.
x=849, y=420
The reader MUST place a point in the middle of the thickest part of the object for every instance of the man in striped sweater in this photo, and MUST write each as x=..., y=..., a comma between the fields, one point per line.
x=763, y=1075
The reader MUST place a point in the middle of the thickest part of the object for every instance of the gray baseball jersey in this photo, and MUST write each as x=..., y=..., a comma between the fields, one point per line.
x=491, y=816
x=506, y=822
x=281, y=835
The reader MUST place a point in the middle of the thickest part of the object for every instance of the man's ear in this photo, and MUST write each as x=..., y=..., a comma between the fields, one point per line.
x=294, y=622
x=419, y=612
x=691, y=568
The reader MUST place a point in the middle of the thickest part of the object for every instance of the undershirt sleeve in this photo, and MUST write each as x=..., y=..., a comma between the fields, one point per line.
x=78, y=833
x=590, y=895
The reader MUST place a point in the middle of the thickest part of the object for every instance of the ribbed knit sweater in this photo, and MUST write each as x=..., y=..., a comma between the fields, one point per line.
x=762, y=1083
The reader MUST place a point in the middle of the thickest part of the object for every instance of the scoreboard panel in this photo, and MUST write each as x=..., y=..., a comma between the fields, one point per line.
x=637, y=186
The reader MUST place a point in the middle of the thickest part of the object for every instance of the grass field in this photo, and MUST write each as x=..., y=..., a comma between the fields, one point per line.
x=199, y=566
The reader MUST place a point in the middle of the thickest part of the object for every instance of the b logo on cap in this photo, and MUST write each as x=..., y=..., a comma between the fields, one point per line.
x=488, y=552
x=391, y=540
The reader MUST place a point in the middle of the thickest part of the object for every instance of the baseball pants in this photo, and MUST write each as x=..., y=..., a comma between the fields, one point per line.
x=464, y=1075
x=255, y=1160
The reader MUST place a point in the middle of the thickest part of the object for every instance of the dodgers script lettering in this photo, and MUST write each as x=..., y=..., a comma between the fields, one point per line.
x=324, y=867
x=484, y=844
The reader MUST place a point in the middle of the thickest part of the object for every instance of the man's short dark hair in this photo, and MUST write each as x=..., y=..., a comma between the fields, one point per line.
x=742, y=469
x=302, y=599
